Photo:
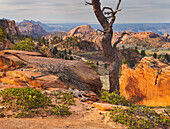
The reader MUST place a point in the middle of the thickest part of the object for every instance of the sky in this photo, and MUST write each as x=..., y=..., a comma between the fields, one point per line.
x=75, y=11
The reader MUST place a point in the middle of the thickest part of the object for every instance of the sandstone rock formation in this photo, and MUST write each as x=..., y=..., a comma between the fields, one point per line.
x=143, y=39
x=12, y=33
x=48, y=72
x=11, y=28
x=31, y=29
x=85, y=32
x=148, y=84
x=84, y=29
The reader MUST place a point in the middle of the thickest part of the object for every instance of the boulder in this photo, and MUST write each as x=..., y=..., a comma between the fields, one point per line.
x=148, y=84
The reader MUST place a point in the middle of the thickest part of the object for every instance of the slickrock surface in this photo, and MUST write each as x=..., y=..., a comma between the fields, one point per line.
x=148, y=84
x=53, y=72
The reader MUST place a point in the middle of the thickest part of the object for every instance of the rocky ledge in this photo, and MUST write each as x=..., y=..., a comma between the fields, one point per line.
x=19, y=69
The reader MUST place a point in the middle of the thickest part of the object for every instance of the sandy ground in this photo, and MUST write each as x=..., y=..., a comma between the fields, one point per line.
x=84, y=116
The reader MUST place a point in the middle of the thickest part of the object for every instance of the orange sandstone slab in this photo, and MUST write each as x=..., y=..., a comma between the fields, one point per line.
x=106, y=106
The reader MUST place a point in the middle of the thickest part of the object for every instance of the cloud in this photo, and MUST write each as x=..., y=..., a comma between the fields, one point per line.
x=76, y=11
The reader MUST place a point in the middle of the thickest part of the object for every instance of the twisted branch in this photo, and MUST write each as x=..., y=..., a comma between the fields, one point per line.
x=119, y=39
x=88, y=3
x=99, y=30
x=118, y=4
x=109, y=9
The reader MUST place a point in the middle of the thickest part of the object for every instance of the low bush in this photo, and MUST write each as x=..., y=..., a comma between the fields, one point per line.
x=134, y=116
x=93, y=66
x=139, y=117
x=29, y=102
x=114, y=98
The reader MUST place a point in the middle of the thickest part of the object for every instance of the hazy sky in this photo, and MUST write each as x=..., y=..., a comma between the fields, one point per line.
x=134, y=11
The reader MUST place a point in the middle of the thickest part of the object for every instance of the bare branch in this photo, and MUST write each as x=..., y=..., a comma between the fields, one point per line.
x=117, y=11
x=99, y=30
x=107, y=13
x=118, y=4
x=87, y=3
x=119, y=39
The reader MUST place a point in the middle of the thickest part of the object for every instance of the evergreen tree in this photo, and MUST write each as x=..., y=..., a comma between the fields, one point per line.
x=55, y=51
x=123, y=47
x=25, y=45
x=143, y=53
x=71, y=58
x=155, y=55
x=105, y=66
x=69, y=52
x=65, y=52
x=167, y=57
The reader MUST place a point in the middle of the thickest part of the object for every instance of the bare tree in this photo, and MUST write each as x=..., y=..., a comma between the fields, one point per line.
x=106, y=19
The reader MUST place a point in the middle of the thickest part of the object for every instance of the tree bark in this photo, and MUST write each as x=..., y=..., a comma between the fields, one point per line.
x=112, y=56
x=109, y=50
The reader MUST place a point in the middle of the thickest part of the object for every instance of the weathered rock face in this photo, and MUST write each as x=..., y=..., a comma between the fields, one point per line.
x=148, y=84
x=11, y=29
x=55, y=72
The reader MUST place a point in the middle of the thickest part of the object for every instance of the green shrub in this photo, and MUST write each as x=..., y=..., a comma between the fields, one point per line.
x=29, y=102
x=93, y=66
x=114, y=98
x=25, y=45
x=133, y=116
x=139, y=117
x=3, y=35
x=124, y=61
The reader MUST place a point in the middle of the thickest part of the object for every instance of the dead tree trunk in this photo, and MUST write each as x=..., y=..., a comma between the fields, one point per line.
x=106, y=19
